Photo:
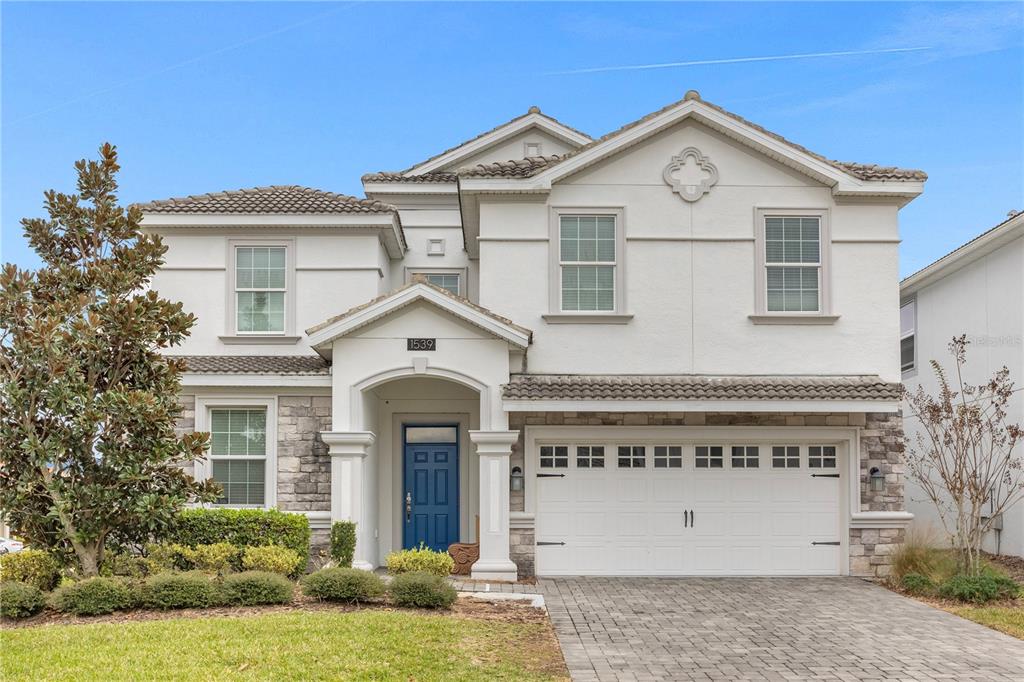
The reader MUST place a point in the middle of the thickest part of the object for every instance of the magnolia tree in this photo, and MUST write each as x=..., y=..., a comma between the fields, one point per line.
x=964, y=455
x=88, y=451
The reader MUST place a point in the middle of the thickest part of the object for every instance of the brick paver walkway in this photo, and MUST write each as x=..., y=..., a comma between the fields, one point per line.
x=766, y=629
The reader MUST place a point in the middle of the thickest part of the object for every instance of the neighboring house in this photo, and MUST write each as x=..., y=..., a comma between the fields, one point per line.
x=669, y=350
x=977, y=290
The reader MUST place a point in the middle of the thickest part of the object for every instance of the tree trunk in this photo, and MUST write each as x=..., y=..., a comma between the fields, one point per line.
x=89, y=558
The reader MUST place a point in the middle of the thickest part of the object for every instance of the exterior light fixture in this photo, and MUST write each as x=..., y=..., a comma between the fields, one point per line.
x=516, y=480
x=877, y=480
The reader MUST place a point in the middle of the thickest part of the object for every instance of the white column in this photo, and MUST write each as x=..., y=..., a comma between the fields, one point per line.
x=351, y=492
x=493, y=449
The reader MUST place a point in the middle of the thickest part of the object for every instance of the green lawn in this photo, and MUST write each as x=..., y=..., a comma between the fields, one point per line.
x=364, y=645
x=1005, y=619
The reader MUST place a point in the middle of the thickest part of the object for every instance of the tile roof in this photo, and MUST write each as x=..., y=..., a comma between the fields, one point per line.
x=422, y=178
x=255, y=364
x=272, y=199
x=517, y=168
x=423, y=282
x=530, y=111
x=696, y=387
x=859, y=170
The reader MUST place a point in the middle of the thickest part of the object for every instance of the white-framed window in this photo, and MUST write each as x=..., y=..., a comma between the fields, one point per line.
x=451, y=279
x=587, y=253
x=745, y=457
x=821, y=457
x=260, y=288
x=785, y=456
x=632, y=456
x=590, y=457
x=708, y=457
x=908, y=336
x=793, y=260
x=242, y=454
x=554, y=456
x=668, y=457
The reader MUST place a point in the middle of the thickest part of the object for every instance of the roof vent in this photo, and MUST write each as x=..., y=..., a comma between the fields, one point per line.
x=534, y=110
x=691, y=94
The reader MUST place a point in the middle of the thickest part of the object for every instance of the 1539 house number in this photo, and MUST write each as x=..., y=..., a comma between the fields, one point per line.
x=421, y=344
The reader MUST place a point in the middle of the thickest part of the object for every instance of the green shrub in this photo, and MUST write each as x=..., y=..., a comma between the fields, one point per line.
x=343, y=584
x=256, y=587
x=127, y=566
x=31, y=566
x=95, y=596
x=420, y=559
x=915, y=583
x=179, y=591
x=167, y=557
x=978, y=589
x=243, y=528
x=422, y=590
x=220, y=557
x=20, y=600
x=271, y=558
x=343, y=542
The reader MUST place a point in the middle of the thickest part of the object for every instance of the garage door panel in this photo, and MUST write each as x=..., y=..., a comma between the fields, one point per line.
x=822, y=523
x=710, y=489
x=746, y=490
x=747, y=524
x=554, y=490
x=591, y=525
x=823, y=490
x=592, y=489
x=667, y=490
x=630, y=525
x=666, y=523
x=787, y=524
x=788, y=489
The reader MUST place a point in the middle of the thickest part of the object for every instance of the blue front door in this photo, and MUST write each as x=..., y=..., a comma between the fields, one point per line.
x=430, y=497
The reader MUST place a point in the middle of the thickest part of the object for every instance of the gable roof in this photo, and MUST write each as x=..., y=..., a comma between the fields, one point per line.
x=985, y=243
x=322, y=334
x=533, y=166
x=269, y=199
x=533, y=118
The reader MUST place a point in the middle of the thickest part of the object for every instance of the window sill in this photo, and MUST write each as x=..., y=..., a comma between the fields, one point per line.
x=259, y=340
x=793, y=319
x=585, y=318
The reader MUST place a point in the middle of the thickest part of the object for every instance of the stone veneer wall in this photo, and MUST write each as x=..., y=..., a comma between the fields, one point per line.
x=881, y=446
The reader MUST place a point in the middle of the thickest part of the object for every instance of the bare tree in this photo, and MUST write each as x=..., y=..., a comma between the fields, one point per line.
x=963, y=457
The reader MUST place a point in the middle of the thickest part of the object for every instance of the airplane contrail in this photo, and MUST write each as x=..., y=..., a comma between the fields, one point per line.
x=736, y=60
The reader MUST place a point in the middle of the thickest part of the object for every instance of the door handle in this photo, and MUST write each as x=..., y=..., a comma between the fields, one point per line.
x=692, y=523
x=686, y=519
x=408, y=506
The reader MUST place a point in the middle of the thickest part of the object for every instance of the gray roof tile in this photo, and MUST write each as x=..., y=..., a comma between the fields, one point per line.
x=272, y=199
x=421, y=179
x=255, y=364
x=696, y=387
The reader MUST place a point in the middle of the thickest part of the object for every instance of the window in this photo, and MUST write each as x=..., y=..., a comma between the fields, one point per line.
x=532, y=149
x=668, y=457
x=908, y=332
x=260, y=276
x=707, y=457
x=554, y=457
x=445, y=280
x=745, y=457
x=587, y=258
x=632, y=456
x=785, y=457
x=793, y=263
x=821, y=457
x=590, y=457
x=238, y=455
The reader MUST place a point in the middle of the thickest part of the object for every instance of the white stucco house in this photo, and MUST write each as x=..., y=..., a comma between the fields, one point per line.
x=977, y=290
x=670, y=350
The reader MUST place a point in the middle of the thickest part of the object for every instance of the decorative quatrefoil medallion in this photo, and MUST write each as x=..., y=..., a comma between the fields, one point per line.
x=690, y=174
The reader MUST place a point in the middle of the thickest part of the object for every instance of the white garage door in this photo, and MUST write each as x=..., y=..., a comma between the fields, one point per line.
x=712, y=508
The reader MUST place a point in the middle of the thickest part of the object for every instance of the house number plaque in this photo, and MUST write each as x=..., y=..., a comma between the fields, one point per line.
x=421, y=344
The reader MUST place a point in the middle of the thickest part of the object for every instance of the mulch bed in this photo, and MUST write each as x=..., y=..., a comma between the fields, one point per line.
x=465, y=607
x=1013, y=565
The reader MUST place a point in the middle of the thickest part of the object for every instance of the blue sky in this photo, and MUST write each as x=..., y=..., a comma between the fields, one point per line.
x=202, y=97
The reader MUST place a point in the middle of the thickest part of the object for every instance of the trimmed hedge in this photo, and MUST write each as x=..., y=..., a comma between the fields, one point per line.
x=95, y=596
x=243, y=528
x=20, y=600
x=343, y=584
x=273, y=559
x=256, y=587
x=220, y=557
x=422, y=590
x=31, y=566
x=343, y=542
x=180, y=591
x=420, y=559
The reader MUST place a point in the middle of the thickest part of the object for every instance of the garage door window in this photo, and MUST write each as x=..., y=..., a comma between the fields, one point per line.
x=785, y=457
x=590, y=457
x=554, y=457
x=821, y=457
x=708, y=457
x=668, y=457
x=632, y=456
x=745, y=457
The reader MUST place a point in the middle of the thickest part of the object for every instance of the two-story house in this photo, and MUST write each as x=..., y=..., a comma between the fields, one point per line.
x=669, y=350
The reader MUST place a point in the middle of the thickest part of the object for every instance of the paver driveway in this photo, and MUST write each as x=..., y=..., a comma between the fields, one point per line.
x=766, y=629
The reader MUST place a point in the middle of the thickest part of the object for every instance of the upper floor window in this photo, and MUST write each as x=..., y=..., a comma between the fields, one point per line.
x=587, y=260
x=793, y=259
x=260, y=286
x=445, y=280
x=908, y=334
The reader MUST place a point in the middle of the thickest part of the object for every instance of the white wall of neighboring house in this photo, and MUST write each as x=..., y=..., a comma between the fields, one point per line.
x=983, y=299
